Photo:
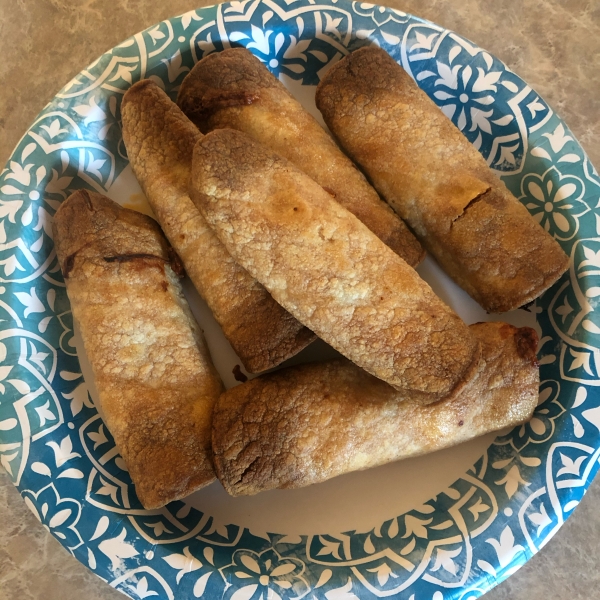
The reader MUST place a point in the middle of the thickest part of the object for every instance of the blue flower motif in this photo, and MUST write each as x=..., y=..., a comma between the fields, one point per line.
x=464, y=93
x=266, y=574
x=58, y=515
x=554, y=201
x=289, y=53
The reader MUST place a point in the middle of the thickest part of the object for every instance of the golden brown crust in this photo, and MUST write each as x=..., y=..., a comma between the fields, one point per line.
x=154, y=376
x=233, y=89
x=160, y=140
x=105, y=232
x=330, y=271
x=438, y=182
x=306, y=424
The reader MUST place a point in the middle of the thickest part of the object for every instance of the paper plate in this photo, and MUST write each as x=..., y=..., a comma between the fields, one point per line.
x=448, y=526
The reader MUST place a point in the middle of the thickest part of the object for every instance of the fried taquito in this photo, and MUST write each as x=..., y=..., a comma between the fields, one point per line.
x=159, y=141
x=328, y=269
x=306, y=424
x=481, y=235
x=154, y=376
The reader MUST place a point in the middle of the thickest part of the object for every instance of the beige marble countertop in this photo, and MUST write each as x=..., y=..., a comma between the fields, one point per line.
x=553, y=44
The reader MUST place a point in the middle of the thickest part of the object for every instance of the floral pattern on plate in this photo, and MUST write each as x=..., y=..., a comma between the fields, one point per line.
x=57, y=451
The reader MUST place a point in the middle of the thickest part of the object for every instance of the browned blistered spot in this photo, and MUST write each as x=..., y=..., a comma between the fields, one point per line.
x=215, y=100
x=164, y=285
x=527, y=340
x=176, y=263
x=237, y=373
x=139, y=262
x=461, y=423
x=507, y=330
x=470, y=204
x=68, y=265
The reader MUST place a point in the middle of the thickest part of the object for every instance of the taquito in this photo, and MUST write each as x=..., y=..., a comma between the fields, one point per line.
x=328, y=269
x=153, y=372
x=481, y=235
x=159, y=140
x=305, y=424
x=233, y=89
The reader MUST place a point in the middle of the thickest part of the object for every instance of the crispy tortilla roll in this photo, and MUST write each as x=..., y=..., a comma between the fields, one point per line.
x=156, y=382
x=233, y=89
x=438, y=182
x=160, y=140
x=331, y=272
x=306, y=424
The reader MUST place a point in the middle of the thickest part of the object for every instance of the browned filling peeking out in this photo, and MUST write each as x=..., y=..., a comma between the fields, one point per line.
x=471, y=203
x=217, y=100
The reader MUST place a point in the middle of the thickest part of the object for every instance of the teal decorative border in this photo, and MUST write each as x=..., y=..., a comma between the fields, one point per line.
x=61, y=457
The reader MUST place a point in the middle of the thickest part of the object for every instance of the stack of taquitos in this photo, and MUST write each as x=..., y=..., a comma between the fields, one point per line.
x=307, y=424
x=233, y=89
x=447, y=383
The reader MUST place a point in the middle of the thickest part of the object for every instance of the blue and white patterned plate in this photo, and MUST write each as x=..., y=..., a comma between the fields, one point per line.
x=441, y=528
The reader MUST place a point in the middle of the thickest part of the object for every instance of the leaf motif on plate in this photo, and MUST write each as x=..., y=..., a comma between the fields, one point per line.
x=183, y=563
x=63, y=451
x=92, y=111
x=511, y=481
x=118, y=549
x=505, y=547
